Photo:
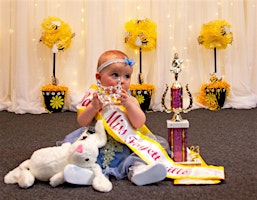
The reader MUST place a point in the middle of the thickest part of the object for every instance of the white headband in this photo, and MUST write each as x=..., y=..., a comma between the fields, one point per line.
x=128, y=61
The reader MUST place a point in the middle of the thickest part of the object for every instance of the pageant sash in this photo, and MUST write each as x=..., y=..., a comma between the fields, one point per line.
x=118, y=126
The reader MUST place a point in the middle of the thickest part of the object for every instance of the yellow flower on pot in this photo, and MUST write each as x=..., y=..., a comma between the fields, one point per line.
x=141, y=34
x=57, y=35
x=215, y=35
x=213, y=94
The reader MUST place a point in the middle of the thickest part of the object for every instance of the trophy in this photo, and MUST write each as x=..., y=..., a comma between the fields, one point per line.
x=177, y=127
x=176, y=93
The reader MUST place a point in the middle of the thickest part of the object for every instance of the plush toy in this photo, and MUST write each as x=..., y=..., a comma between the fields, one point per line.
x=47, y=164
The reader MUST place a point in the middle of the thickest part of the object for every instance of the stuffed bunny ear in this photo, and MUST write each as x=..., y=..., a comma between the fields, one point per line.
x=100, y=133
x=79, y=148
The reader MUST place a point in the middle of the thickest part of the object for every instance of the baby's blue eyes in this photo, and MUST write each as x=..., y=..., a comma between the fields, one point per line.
x=115, y=75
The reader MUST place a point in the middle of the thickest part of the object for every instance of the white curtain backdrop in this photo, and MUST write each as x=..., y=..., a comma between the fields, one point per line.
x=99, y=25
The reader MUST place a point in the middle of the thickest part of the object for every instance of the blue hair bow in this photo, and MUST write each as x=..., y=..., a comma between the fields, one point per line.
x=129, y=61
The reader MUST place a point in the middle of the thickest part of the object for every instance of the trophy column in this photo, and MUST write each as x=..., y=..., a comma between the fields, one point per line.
x=177, y=127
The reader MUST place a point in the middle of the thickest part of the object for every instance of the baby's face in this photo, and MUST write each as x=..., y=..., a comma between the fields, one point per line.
x=110, y=75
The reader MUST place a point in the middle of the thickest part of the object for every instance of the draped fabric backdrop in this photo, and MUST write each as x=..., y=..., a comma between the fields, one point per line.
x=99, y=25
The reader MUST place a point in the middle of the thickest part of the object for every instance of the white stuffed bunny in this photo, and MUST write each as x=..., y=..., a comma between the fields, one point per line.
x=47, y=164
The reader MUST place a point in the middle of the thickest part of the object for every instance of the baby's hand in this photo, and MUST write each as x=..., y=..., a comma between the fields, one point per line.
x=96, y=103
x=125, y=99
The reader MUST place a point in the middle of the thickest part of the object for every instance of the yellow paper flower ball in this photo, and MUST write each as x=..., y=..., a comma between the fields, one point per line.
x=215, y=34
x=56, y=32
x=141, y=33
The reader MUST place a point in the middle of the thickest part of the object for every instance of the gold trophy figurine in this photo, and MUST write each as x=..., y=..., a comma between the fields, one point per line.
x=176, y=92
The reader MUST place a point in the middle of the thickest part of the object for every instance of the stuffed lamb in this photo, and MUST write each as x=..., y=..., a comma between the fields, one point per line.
x=47, y=164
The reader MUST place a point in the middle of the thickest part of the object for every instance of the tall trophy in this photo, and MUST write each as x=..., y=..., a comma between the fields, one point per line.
x=177, y=127
x=176, y=92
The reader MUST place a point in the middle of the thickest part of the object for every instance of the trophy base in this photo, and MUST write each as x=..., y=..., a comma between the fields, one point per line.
x=177, y=139
x=190, y=163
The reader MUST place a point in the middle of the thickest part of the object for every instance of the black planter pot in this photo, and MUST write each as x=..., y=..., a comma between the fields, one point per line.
x=54, y=100
x=220, y=94
x=143, y=97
